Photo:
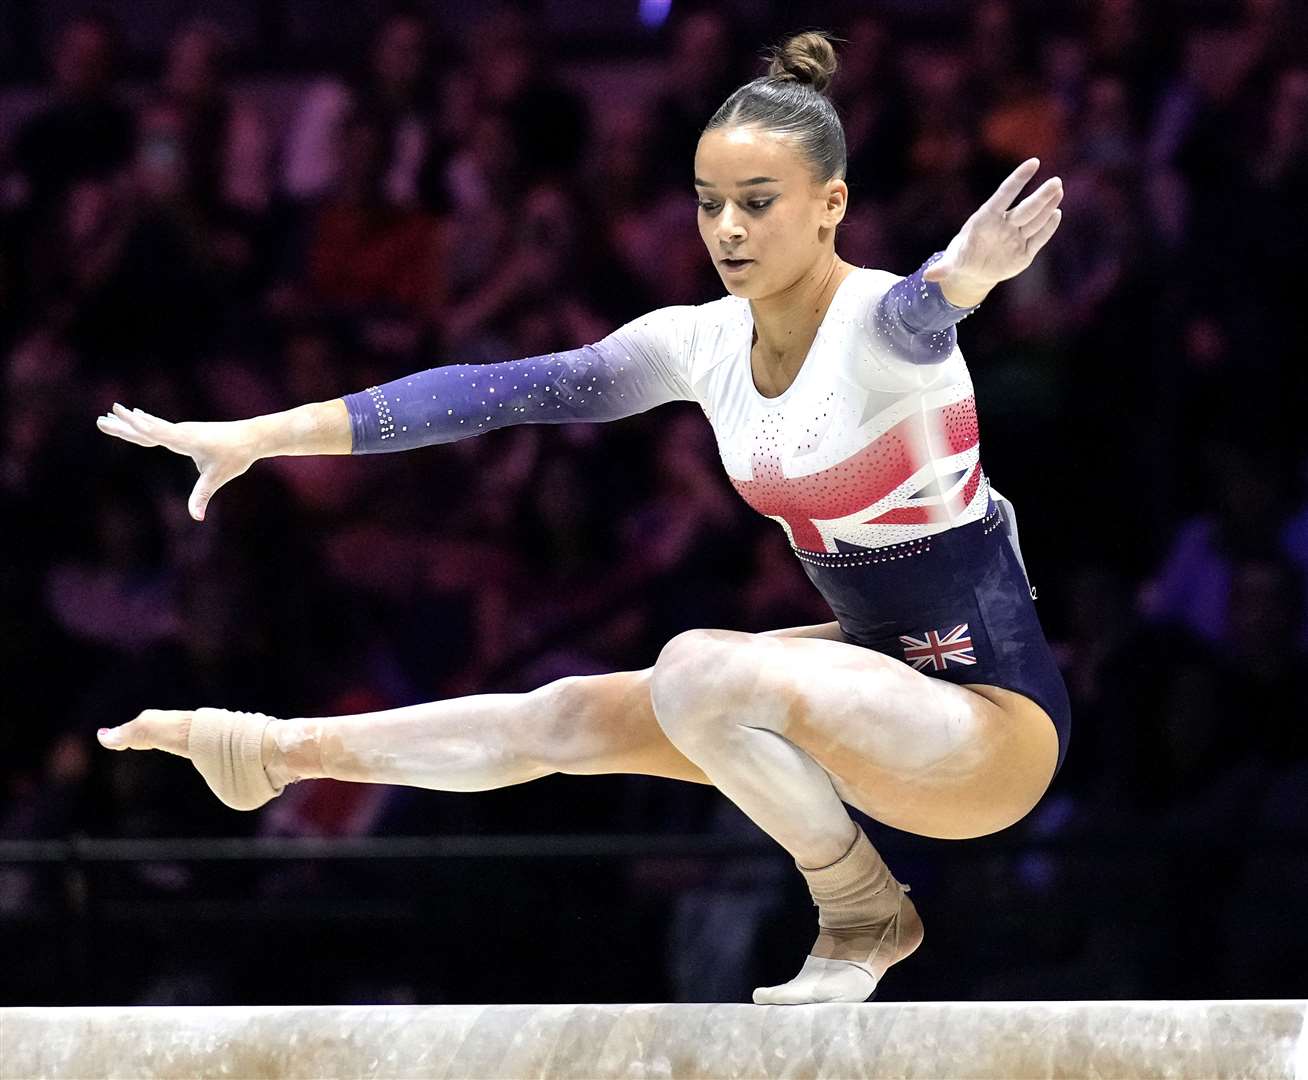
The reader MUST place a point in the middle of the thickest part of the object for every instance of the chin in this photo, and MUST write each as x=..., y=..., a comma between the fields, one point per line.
x=738, y=288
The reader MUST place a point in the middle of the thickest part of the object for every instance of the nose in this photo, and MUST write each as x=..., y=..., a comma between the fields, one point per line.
x=730, y=231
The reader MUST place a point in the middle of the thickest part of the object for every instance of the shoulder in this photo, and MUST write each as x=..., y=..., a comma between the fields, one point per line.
x=888, y=354
x=689, y=339
x=873, y=283
x=685, y=328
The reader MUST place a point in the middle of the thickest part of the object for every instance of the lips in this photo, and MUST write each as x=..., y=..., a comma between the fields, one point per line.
x=736, y=264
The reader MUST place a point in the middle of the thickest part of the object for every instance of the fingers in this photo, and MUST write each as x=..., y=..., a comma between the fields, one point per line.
x=1041, y=236
x=111, y=425
x=153, y=729
x=123, y=424
x=1033, y=208
x=138, y=426
x=1007, y=191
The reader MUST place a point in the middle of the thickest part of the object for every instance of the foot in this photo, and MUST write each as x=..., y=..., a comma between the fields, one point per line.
x=847, y=964
x=222, y=749
x=153, y=729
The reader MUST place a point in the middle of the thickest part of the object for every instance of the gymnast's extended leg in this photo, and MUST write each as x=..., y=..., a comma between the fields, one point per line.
x=583, y=724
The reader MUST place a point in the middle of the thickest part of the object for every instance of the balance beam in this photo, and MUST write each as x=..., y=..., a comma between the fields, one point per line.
x=1001, y=1040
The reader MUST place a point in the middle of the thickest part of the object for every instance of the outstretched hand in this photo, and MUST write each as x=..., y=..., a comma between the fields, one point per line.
x=999, y=240
x=222, y=450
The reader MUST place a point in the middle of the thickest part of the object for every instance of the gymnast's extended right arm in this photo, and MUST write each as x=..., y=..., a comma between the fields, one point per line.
x=629, y=371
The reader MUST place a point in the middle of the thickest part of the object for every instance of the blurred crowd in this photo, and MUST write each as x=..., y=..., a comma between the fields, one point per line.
x=199, y=246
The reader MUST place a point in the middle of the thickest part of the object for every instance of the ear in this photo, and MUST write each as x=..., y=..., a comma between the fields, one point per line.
x=836, y=202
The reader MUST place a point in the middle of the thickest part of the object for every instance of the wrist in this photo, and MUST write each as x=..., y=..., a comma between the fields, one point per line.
x=964, y=294
x=320, y=427
x=255, y=433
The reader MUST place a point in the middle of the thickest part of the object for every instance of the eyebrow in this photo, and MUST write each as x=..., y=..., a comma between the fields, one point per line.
x=743, y=183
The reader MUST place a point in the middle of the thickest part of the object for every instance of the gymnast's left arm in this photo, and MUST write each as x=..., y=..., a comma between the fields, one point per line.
x=917, y=317
x=915, y=321
x=636, y=367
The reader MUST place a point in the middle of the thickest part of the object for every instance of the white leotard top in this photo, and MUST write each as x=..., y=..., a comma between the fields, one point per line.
x=865, y=447
x=874, y=443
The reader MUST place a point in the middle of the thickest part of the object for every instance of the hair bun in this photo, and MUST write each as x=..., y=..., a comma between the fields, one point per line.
x=808, y=58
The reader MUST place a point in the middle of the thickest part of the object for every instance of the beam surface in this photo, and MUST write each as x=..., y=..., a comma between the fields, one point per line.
x=1184, y=1040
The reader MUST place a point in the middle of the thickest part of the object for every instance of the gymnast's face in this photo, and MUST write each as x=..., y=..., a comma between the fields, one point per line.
x=758, y=202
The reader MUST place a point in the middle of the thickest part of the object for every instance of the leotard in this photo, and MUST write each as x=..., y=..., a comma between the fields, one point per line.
x=870, y=457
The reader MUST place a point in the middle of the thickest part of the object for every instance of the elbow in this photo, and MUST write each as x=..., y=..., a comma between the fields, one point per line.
x=934, y=347
x=890, y=323
x=926, y=349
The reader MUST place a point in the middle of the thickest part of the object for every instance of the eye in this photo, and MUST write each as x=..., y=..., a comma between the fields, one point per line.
x=753, y=204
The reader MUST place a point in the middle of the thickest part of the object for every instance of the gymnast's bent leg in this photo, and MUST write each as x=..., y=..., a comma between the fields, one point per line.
x=790, y=730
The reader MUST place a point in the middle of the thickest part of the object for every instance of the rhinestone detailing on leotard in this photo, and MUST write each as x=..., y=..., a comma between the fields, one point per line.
x=384, y=420
x=890, y=552
x=905, y=550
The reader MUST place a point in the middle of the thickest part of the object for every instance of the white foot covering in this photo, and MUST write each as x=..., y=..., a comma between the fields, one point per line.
x=859, y=905
x=821, y=979
x=226, y=747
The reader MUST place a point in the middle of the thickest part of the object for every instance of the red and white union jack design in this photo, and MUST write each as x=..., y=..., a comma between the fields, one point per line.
x=939, y=650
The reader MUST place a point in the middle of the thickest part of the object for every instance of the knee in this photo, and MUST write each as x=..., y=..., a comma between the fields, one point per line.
x=682, y=693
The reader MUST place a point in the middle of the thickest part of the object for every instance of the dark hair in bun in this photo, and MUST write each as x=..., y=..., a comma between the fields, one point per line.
x=790, y=100
x=807, y=58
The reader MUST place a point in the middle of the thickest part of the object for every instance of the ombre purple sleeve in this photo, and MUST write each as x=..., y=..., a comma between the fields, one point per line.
x=638, y=366
x=914, y=321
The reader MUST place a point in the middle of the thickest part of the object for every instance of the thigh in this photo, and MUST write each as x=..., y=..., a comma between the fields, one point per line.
x=605, y=723
x=915, y=752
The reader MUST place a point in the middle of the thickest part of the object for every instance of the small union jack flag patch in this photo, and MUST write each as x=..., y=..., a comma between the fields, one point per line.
x=938, y=649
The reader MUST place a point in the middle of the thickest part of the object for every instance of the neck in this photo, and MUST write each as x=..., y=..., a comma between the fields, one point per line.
x=786, y=321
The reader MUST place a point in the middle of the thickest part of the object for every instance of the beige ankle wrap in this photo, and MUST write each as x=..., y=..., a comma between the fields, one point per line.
x=865, y=924
x=855, y=889
x=226, y=747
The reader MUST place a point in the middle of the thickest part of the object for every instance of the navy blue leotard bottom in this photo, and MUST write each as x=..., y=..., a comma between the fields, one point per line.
x=910, y=600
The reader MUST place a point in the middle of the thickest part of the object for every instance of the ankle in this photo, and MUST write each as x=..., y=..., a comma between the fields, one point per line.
x=272, y=759
x=299, y=745
x=290, y=752
x=845, y=850
x=856, y=890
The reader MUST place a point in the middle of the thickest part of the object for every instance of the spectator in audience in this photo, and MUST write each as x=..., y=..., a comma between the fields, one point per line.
x=368, y=256
x=873, y=104
x=998, y=47
x=390, y=95
x=1248, y=510
x=224, y=141
x=549, y=123
x=701, y=67
x=86, y=131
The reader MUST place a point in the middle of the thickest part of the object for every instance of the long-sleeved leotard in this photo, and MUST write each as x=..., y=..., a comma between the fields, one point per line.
x=870, y=460
x=875, y=441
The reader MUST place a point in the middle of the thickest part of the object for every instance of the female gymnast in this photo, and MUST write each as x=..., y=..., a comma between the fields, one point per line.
x=842, y=409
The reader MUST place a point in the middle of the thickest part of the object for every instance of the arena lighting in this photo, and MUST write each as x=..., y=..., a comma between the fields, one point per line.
x=653, y=13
